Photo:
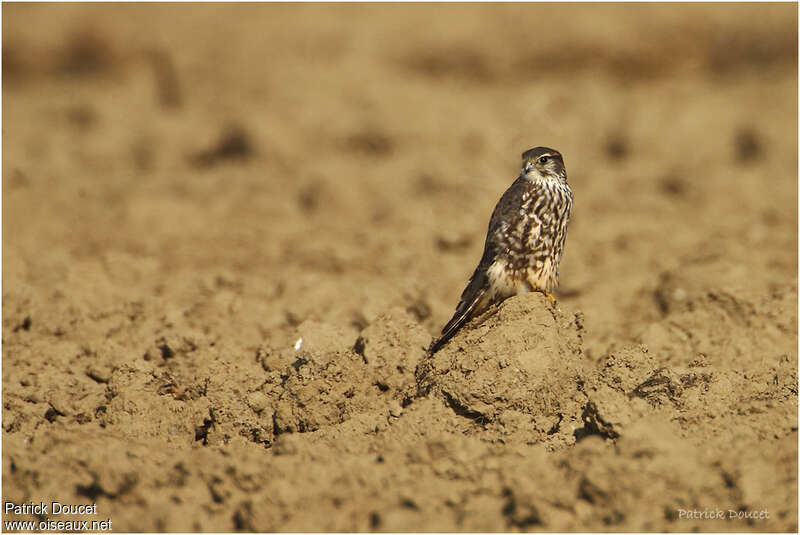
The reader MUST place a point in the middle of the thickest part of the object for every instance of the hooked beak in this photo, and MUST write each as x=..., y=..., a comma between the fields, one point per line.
x=526, y=168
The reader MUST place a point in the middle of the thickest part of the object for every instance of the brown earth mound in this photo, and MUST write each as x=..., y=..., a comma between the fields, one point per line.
x=230, y=233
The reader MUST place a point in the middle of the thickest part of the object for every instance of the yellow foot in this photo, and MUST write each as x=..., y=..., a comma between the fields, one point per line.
x=551, y=298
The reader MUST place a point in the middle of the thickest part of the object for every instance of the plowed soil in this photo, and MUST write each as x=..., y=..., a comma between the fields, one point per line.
x=230, y=231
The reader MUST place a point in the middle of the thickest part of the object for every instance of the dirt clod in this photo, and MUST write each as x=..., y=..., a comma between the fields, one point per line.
x=230, y=233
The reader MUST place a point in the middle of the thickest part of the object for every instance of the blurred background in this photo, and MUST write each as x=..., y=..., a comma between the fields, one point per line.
x=252, y=167
x=365, y=145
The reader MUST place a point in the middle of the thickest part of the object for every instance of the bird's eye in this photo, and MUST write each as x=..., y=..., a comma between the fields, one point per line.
x=543, y=160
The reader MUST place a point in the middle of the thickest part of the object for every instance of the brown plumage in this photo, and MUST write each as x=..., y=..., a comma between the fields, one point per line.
x=525, y=240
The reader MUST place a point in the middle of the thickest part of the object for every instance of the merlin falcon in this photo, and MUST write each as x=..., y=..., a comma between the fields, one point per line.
x=524, y=242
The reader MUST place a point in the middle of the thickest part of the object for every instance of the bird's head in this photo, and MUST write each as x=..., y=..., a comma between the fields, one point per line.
x=542, y=163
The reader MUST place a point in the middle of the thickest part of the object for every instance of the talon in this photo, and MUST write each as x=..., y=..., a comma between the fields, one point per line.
x=551, y=298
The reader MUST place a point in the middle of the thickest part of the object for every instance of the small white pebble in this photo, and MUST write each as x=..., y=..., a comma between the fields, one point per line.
x=298, y=344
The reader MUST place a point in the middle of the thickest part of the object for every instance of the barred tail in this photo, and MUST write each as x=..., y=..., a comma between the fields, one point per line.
x=462, y=315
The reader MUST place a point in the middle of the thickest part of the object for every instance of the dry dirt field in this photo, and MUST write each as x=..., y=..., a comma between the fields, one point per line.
x=189, y=190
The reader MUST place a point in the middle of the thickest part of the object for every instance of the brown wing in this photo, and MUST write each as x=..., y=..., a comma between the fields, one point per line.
x=470, y=297
x=479, y=282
